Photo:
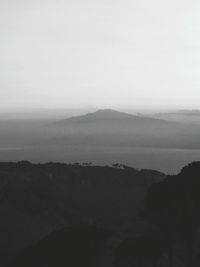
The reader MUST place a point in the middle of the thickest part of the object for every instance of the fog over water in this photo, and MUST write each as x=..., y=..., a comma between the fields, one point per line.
x=161, y=141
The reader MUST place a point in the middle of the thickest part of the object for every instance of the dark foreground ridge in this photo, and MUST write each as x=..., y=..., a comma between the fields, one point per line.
x=70, y=215
x=81, y=245
x=37, y=199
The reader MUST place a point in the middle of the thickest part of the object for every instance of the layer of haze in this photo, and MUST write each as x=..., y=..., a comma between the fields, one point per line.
x=98, y=53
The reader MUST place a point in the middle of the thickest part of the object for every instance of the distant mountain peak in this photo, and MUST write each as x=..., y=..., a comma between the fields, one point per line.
x=110, y=116
x=107, y=110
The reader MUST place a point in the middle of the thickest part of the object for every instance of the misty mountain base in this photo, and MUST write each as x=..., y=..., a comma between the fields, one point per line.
x=164, y=142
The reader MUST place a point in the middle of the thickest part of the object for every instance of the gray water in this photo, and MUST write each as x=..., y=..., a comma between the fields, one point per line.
x=169, y=161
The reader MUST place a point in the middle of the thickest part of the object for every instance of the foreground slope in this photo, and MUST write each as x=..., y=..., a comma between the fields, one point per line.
x=38, y=199
x=80, y=245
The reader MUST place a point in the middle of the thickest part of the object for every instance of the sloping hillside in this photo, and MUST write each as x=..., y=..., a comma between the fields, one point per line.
x=38, y=199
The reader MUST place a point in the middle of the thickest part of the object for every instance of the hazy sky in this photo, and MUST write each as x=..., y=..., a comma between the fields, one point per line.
x=100, y=53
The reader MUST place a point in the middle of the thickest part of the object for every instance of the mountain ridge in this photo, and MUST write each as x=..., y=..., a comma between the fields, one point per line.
x=108, y=115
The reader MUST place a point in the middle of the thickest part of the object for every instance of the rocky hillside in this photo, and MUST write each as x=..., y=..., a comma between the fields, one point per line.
x=38, y=199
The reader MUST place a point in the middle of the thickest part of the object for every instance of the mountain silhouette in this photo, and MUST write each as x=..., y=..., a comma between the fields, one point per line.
x=113, y=128
x=108, y=116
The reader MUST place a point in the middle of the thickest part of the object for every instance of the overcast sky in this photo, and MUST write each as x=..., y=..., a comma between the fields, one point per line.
x=100, y=53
